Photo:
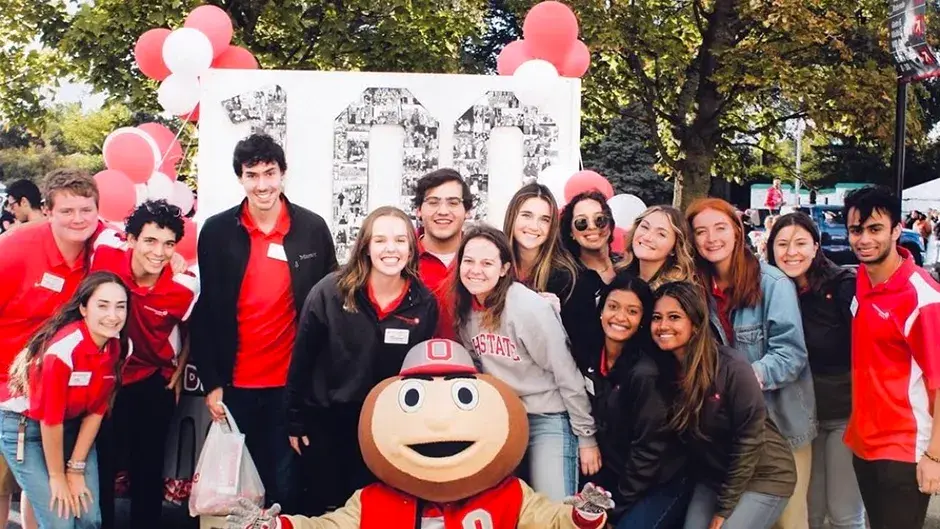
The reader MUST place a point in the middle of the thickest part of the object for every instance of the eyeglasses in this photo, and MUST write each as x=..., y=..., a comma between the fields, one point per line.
x=435, y=202
x=601, y=221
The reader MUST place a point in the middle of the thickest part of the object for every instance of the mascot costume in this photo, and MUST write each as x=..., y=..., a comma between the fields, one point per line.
x=443, y=440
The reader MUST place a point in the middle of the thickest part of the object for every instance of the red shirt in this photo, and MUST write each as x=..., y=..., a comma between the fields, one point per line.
x=77, y=378
x=724, y=311
x=895, y=364
x=36, y=281
x=435, y=275
x=267, y=319
x=383, y=312
x=154, y=323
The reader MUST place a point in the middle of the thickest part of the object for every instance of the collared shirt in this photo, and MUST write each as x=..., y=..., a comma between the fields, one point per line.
x=157, y=312
x=266, y=315
x=77, y=378
x=36, y=281
x=435, y=275
x=383, y=312
x=895, y=363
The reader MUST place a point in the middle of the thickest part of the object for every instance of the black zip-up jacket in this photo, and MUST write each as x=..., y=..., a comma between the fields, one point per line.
x=223, y=251
x=630, y=407
x=744, y=450
x=339, y=356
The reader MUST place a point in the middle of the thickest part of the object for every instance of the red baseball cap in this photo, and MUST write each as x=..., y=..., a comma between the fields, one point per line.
x=438, y=357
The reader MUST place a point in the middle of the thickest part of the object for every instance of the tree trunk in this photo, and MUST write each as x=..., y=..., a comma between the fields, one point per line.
x=695, y=179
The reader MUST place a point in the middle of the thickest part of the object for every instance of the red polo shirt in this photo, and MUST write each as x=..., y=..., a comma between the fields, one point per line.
x=383, y=312
x=435, y=275
x=266, y=315
x=35, y=281
x=157, y=312
x=77, y=378
x=895, y=364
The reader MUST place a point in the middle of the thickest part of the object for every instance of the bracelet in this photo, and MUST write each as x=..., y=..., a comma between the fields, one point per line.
x=930, y=457
x=75, y=467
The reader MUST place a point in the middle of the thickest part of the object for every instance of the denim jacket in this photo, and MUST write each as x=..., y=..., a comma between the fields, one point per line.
x=770, y=335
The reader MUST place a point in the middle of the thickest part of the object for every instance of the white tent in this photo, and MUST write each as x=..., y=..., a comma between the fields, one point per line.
x=922, y=197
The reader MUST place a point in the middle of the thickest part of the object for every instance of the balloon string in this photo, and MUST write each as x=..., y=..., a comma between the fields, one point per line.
x=177, y=137
x=187, y=150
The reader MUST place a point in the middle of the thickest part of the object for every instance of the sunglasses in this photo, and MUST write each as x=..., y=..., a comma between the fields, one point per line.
x=601, y=221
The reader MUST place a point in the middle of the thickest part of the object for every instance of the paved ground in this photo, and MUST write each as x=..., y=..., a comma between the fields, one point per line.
x=178, y=518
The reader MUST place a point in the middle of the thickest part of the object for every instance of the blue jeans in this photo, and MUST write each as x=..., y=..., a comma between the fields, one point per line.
x=552, y=456
x=662, y=507
x=261, y=414
x=833, y=489
x=753, y=511
x=33, y=476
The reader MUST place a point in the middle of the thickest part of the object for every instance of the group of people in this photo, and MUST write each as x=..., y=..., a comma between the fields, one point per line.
x=703, y=387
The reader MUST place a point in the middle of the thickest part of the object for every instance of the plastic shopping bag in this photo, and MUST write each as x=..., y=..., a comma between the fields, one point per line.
x=225, y=472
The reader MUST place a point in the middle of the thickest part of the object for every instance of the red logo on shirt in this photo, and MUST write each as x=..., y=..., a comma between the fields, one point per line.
x=495, y=345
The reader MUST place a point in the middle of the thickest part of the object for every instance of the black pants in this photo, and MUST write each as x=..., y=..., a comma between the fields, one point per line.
x=890, y=493
x=334, y=452
x=261, y=414
x=133, y=437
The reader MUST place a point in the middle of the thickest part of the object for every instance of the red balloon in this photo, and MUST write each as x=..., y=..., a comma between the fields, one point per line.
x=192, y=117
x=587, y=181
x=512, y=56
x=133, y=152
x=236, y=58
x=215, y=24
x=148, y=52
x=118, y=198
x=619, y=244
x=187, y=245
x=550, y=28
x=170, y=149
x=577, y=61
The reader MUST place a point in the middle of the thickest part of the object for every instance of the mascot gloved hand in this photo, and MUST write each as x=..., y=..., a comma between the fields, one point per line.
x=444, y=441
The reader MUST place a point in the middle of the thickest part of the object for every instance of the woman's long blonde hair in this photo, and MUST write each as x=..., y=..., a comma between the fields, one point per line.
x=552, y=255
x=680, y=263
x=354, y=274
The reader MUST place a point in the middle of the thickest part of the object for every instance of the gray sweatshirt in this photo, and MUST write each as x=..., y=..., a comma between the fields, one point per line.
x=530, y=353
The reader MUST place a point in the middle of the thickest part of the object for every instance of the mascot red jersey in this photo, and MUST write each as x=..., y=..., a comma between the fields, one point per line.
x=444, y=440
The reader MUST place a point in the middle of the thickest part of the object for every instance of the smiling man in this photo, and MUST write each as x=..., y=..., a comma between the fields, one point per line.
x=257, y=263
x=442, y=202
x=152, y=376
x=895, y=367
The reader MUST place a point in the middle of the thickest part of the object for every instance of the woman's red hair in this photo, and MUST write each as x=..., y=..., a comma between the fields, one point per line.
x=744, y=290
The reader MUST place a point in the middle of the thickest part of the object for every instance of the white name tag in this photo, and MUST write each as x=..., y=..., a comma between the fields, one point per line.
x=589, y=386
x=80, y=379
x=52, y=282
x=276, y=251
x=397, y=336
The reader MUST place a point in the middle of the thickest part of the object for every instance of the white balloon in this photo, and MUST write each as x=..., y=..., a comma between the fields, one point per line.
x=159, y=187
x=554, y=177
x=182, y=197
x=187, y=51
x=626, y=208
x=178, y=94
x=141, y=190
x=535, y=81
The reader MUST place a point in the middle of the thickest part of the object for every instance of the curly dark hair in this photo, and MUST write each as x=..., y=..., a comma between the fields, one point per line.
x=159, y=212
x=567, y=216
x=255, y=149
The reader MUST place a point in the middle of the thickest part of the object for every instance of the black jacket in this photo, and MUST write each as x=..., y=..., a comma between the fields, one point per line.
x=223, y=251
x=339, y=356
x=630, y=407
x=744, y=450
x=827, y=324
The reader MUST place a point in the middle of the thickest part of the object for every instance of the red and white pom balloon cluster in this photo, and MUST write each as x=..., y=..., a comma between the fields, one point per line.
x=548, y=50
x=178, y=58
x=141, y=164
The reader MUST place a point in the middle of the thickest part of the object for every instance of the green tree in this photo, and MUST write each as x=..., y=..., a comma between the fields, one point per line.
x=71, y=130
x=626, y=159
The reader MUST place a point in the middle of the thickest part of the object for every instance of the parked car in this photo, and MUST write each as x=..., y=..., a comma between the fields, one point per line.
x=835, y=236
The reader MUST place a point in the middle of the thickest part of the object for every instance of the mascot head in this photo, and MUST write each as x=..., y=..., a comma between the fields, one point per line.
x=441, y=431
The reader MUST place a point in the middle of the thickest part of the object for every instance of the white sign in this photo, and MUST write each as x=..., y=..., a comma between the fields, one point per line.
x=355, y=140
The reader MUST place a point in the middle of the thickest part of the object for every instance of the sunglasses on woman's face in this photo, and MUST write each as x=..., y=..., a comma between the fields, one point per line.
x=601, y=221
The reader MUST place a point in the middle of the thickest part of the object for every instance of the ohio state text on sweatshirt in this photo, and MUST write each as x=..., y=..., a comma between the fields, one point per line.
x=530, y=352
